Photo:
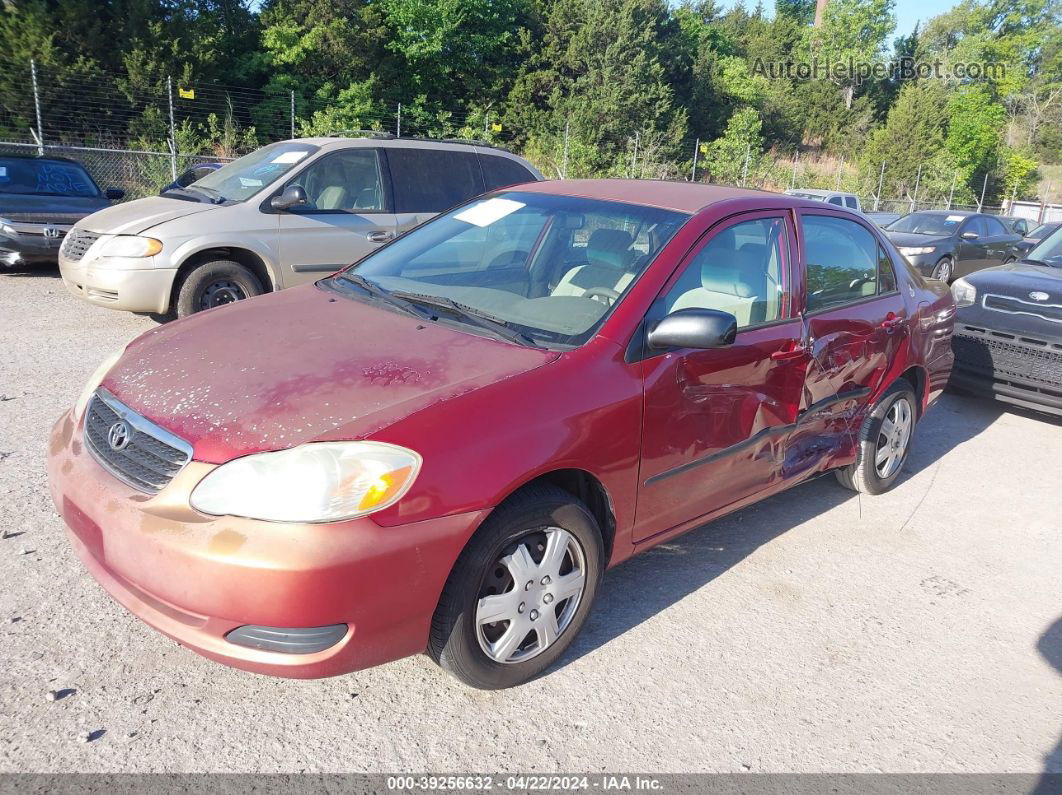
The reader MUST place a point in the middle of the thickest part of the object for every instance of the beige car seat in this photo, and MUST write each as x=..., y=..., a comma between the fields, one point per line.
x=608, y=257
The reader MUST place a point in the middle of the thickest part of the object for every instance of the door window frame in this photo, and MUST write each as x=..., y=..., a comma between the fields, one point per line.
x=807, y=212
x=385, y=184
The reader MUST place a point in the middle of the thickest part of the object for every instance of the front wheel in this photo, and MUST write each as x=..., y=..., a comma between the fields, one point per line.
x=520, y=591
x=944, y=269
x=884, y=442
x=216, y=283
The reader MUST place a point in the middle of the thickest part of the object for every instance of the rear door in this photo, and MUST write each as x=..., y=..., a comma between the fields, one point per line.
x=973, y=253
x=347, y=215
x=428, y=181
x=1001, y=242
x=857, y=321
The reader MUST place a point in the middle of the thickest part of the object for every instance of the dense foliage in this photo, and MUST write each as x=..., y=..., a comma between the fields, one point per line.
x=583, y=87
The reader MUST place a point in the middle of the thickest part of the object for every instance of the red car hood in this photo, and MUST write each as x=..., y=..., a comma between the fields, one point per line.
x=289, y=367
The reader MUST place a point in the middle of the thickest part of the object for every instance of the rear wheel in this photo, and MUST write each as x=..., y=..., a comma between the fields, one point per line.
x=520, y=592
x=944, y=270
x=216, y=283
x=884, y=442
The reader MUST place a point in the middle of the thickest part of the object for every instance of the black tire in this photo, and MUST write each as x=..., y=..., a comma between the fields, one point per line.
x=863, y=475
x=215, y=283
x=454, y=643
x=944, y=270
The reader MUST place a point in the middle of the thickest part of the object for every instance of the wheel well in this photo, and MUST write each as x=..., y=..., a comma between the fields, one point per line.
x=248, y=259
x=588, y=489
x=916, y=376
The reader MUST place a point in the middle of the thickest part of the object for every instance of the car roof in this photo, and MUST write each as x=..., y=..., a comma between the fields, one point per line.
x=686, y=197
x=945, y=212
x=411, y=141
x=40, y=159
x=817, y=192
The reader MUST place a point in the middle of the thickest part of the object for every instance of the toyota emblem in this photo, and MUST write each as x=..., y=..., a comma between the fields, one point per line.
x=1038, y=295
x=119, y=436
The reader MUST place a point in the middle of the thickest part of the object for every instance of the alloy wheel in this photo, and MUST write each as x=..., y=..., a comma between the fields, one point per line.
x=530, y=595
x=943, y=270
x=893, y=438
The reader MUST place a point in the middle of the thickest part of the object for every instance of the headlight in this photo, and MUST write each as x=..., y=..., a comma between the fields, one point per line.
x=95, y=380
x=131, y=246
x=963, y=292
x=315, y=482
x=7, y=228
x=914, y=251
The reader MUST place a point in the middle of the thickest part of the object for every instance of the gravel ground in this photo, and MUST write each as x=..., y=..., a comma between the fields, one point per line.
x=815, y=632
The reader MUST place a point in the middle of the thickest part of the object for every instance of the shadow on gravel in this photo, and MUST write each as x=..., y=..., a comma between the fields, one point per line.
x=652, y=582
x=22, y=271
x=1050, y=648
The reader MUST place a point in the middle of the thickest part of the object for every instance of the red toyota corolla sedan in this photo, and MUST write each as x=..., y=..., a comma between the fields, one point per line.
x=444, y=446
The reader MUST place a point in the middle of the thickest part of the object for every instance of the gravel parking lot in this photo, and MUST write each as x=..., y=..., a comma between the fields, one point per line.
x=815, y=632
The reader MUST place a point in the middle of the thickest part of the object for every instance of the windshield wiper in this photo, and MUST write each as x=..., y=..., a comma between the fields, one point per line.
x=214, y=196
x=1035, y=261
x=376, y=291
x=500, y=327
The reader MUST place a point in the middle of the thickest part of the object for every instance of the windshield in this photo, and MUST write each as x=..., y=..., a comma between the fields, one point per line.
x=547, y=267
x=45, y=178
x=927, y=223
x=1042, y=231
x=241, y=179
x=1048, y=251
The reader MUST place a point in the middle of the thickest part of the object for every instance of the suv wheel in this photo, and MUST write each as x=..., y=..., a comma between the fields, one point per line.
x=884, y=442
x=520, y=591
x=216, y=283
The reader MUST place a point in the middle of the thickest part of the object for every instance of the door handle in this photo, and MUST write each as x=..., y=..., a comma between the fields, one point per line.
x=379, y=236
x=792, y=350
x=891, y=321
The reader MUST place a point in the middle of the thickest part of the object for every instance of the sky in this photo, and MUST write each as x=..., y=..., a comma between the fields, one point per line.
x=908, y=12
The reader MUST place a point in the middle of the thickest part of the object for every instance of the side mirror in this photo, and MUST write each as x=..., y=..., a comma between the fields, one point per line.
x=114, y=194
x=969, y=236
x=694, y=328
x=293, y=196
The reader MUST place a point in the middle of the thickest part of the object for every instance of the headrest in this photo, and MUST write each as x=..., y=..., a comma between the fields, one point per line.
x=730, y=277
x=609, y=247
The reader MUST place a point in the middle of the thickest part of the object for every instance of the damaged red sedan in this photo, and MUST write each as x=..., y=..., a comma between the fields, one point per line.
x=443, y=447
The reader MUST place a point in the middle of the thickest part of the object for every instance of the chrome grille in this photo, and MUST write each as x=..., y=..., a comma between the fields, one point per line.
x=1005, y=356
x=77, y=242
x=153, y=455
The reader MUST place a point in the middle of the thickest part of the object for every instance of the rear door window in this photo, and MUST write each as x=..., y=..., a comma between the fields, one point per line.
x=433, y=180
x=500, y=172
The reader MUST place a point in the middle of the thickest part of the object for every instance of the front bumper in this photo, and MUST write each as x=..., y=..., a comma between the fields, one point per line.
x=196, y=577
x=1008, y=367
x=118, y=283
x=28, y=250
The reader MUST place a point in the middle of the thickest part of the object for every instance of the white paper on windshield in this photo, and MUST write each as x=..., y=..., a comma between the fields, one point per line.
x=955, y=217
x=289, y=157
x=3, y=171
x=487, y=212
x=247, y=182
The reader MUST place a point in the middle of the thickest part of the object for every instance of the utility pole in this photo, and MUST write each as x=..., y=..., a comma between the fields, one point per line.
x=173, y=128
x=918, y=180
x=820, y=11
x=696, y=151
x=398, y=123
x=984, y=188
x=951, y=195
x=37, y=107
x=634, y=159
x=881, y=179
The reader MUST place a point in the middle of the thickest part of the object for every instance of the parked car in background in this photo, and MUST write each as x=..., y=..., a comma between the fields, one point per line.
x=1020, y=226
x=838, y=198
x=884, y=219
x=283, y=215
x=1008, y=333
x=190, y=175
x=944, y=244
x=442, y=447
x=40, y=199
x=1041, y=232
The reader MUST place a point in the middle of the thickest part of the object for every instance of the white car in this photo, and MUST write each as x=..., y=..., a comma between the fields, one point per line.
x=847, y=200
x=286, y=214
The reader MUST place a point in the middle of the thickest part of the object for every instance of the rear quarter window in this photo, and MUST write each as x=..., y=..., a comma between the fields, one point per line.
x=500, y=172
x=433, y=180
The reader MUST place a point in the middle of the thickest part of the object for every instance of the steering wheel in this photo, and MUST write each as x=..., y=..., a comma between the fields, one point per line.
x=608, y=295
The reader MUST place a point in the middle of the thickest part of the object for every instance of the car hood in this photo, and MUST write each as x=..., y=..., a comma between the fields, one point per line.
x=42, y=209
x=290, y=367
x=1018, y=278
x=914, y=239
x=1024, y=314
x=132, y=218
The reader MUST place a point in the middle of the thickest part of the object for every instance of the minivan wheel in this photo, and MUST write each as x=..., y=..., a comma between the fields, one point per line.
x=216, y=283
x=884, y=442
x=520, y=591
x=943, y=270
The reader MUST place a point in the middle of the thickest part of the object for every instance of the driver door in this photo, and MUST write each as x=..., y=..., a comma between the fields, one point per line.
x=716, y=421
x=345, y=218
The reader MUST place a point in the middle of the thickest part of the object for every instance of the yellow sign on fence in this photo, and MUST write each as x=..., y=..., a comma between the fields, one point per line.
x=186, y=93
x=496, y=127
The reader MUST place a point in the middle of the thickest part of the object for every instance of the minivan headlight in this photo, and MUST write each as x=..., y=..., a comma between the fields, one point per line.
x=315, y=482
x=964, y=293
x=131, y=246
x=95, y=380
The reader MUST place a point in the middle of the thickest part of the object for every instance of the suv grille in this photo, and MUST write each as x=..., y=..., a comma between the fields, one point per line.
x=1006, y=356
x=77, y=242
x=147, y=458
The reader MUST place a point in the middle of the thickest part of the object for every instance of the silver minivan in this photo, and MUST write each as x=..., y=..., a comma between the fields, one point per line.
x=285, y=214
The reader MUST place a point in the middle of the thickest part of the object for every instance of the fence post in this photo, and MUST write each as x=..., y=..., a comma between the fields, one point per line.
x=918, y=180
x=37, y=108
x=173, y=128
x=564, y=162
x=696, y=151
x=398, y=124
x=951, y=195
x=792, y=177
x=984, y=188
x=292, y=113
x=745, y=169
x=837, y=181
x=634, y=157
x=881, y=179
